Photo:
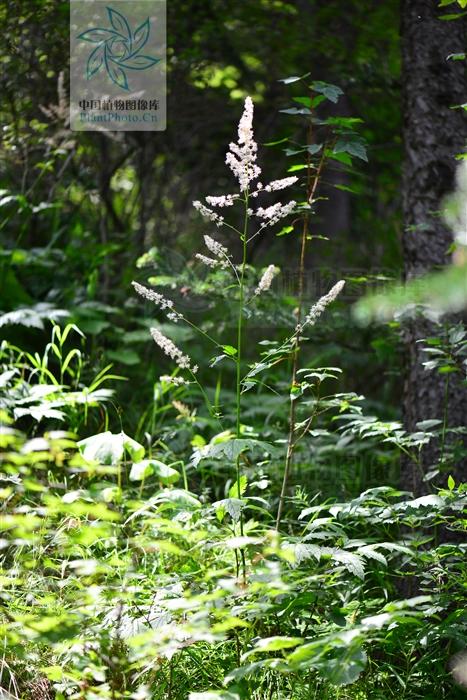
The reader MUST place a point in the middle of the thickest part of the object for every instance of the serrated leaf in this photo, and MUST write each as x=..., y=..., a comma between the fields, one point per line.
x=230, y=449
x=232, y=506
x=353, y=145
x=233, y=491
x=331, y=92
x=352, y=562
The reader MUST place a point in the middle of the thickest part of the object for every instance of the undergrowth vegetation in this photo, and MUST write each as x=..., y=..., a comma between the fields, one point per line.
x=205, y=554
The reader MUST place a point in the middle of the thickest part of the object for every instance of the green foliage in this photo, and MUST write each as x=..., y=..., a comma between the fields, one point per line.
x=139, y=552
x=144, y=562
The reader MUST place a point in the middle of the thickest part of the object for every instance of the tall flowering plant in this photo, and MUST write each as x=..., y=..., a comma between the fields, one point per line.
x=241, y=158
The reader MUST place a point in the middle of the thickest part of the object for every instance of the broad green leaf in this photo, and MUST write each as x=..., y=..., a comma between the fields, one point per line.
x=109, y=448
x=353, y=145
x=180, y=497
x=331, y=92
x=147, y=467
x=267, y=644
x=232, y=506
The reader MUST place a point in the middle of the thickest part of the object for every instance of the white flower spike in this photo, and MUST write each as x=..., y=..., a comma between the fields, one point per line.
x=241, y=157
x=266, y=280
x=318, y=308
x=170, y=349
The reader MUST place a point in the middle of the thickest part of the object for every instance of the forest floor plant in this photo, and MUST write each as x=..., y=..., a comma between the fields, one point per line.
x=118, y=581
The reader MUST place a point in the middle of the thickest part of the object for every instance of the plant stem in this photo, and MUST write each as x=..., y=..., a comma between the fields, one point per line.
x=445, y=419
x=211, y=409
x=312, y=183
x=239, y=364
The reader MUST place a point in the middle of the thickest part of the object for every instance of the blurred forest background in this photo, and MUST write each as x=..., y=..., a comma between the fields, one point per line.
x=80, y=209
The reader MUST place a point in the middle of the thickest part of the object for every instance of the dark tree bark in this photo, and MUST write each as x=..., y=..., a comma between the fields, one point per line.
x=433, y=133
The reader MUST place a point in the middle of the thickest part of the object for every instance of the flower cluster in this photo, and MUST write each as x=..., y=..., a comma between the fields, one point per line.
x=241, y=158
x=225, y=200
x=217, y=249
x=275, y=212
x=177, y=381
x=318, y=308
x=266, y=280
x=159, y=300
x=209, y=262
x=276, y=185
x=208, y=213
x=170, y=349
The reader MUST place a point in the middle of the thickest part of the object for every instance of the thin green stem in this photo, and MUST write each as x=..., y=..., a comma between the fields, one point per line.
x=200, y=330
x=312, y=183
x=239, y=362
x=211, y=409
x=445, y=419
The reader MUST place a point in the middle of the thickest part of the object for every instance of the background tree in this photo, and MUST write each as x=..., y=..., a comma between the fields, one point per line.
x=435, y=131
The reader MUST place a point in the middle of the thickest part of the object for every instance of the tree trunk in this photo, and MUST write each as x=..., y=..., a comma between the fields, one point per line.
x=433, y=134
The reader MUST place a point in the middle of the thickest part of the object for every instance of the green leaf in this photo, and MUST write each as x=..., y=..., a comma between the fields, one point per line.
x=292, y=79
x=337, y=657
x=267, y=644
x=109, y=448
x=285, y=230
x=331, y=92
x=252, y=669
x=180, y=497
x=296, y=110
x=230, y=449
x=451, y=483
x=148, y=467
x=306, y=101
x=450, y=17
x=233, y=491
x=352, y=144
x=232, y=506
x=340, y=157
x=229, y=350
